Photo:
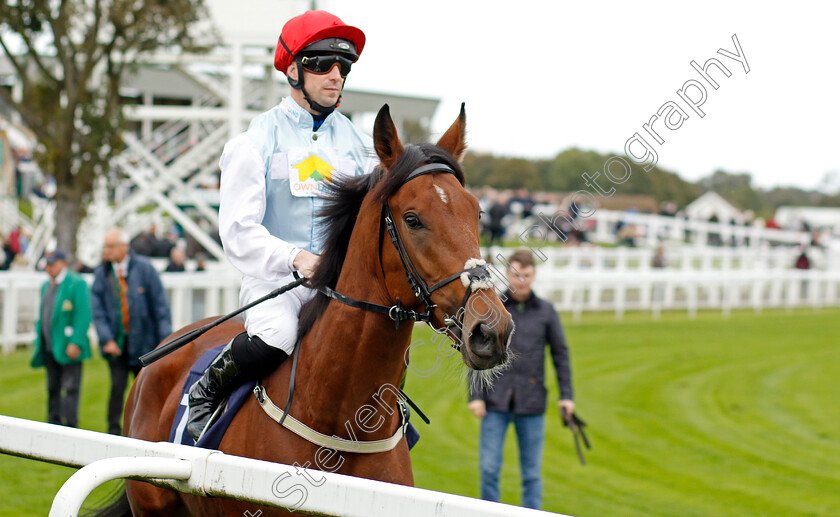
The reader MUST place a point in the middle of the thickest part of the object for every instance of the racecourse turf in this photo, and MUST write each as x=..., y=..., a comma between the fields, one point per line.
x=711, y=416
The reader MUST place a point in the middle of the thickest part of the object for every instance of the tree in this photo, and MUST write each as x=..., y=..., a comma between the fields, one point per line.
x=514, y=173
x=70, y=57
x=564, y=173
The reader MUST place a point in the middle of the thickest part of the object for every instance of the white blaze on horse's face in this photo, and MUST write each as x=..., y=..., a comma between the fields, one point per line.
x=442, y=194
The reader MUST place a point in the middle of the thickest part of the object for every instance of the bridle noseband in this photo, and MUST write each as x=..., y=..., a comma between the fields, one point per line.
x=475, y=274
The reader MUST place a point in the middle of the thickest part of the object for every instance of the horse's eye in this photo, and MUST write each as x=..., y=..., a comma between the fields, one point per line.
x=480, y=213
x=412, y=221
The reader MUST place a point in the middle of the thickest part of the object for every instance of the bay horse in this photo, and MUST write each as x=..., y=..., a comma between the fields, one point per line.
x=348, y=352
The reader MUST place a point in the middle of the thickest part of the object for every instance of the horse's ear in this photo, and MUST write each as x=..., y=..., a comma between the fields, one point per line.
x=385, y=139
x=453, y=140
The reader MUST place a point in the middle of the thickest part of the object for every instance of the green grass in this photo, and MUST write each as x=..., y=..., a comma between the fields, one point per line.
x=705, y=417
x=710, y=416
x=27, y=487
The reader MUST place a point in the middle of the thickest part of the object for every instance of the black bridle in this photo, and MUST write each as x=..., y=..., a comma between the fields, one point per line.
x=422, y=291
x=477, y=274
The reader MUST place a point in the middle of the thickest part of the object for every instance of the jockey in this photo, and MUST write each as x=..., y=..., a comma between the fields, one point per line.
x=269, y=199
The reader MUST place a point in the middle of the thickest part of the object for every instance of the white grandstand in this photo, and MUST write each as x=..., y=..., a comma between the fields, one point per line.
x=183, y=109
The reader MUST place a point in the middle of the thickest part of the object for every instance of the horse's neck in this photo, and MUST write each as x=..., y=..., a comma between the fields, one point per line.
x=348, y=357
x=351, y=358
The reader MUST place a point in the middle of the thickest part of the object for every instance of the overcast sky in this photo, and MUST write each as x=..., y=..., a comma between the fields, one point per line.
x=539, y=77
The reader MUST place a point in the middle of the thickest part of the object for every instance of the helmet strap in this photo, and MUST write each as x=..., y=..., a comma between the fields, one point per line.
x=298, y=85
x=323, y=110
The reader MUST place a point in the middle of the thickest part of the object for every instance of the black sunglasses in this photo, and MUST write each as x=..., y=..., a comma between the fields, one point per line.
x=323, y=64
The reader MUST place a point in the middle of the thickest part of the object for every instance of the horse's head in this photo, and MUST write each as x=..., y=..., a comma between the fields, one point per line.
x=432, y=222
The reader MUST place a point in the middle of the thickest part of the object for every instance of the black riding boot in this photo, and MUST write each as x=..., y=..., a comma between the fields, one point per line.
x=216, y=383
x=253, y=359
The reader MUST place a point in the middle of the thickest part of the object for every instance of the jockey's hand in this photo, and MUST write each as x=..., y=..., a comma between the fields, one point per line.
x=305, y=263
x=478, y=408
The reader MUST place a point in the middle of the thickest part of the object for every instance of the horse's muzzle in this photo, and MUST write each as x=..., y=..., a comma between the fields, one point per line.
x=487, y=345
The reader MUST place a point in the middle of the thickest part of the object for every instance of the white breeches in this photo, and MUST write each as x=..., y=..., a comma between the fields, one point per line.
x=275, y=321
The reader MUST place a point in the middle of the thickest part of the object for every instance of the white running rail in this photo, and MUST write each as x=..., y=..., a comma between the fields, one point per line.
x=208, y=472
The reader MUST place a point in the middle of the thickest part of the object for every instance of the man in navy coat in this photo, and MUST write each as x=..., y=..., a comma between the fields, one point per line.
x=130, y=312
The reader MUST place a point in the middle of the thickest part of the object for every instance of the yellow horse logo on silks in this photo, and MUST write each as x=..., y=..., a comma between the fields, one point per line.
x=315, y=168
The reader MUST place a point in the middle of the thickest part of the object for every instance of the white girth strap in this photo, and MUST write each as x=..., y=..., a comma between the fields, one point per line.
x=330, y=442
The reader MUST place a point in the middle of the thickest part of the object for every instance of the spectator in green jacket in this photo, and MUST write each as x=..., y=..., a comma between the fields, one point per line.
x=61, y=342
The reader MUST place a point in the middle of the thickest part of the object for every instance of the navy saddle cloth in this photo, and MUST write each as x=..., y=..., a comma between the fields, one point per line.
x=213, y=437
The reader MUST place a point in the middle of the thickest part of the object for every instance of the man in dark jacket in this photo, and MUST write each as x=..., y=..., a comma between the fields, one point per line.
x=519, y=394
x=130, y=312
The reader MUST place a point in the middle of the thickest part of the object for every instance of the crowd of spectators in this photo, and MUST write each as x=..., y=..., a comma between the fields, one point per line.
x=506, y=213
x=14, y=245
x=503, y=210
x=173, y=245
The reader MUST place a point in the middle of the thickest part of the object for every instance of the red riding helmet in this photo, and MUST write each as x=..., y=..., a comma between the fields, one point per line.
x=308, y=28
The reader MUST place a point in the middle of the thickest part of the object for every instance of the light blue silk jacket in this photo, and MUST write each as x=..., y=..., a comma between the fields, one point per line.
x=271, y=178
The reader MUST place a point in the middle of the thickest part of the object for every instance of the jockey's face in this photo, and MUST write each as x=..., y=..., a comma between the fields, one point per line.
x=325, y=89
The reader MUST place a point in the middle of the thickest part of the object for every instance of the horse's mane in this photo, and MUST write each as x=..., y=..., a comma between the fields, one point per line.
x=344, y=199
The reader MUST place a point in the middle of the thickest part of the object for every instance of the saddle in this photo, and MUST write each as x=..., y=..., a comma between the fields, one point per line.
x=213, y=436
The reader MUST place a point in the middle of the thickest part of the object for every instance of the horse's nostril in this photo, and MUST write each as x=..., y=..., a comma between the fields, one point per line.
x=482, y=339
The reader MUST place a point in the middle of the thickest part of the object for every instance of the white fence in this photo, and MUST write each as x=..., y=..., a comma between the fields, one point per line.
x=656, y=291
x=208, y=472
x=584, y=279
x=192, y=296
x=20, y=292
x=650, y=229
x=569, y=259
x=576, y=279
